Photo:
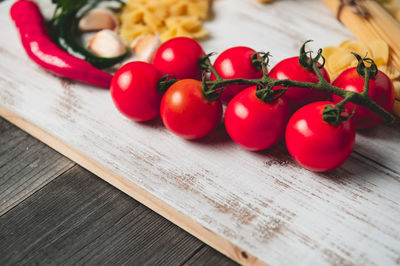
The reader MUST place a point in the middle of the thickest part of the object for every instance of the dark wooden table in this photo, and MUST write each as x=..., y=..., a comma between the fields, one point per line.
x=53, y=212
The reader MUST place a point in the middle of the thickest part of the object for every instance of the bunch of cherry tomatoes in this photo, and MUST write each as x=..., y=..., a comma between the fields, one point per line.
x=252, y=123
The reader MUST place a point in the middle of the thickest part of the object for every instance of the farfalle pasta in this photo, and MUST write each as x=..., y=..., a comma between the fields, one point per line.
x=168, y=18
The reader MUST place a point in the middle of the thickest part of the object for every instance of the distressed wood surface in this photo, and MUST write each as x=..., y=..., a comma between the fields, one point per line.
x=26, y=165
x=112, y=228
x=80, y=220
x=253, y=207
x=207, y=256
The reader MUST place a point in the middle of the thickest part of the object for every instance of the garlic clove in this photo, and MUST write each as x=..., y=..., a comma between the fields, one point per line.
x=145, y=46
x=98, y=19
x=106, y=43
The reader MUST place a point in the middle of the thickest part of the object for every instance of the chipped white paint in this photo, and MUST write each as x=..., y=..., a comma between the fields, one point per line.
x=261, y=202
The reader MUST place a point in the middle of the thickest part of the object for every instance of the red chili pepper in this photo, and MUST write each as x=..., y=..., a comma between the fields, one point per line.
x=41, y=49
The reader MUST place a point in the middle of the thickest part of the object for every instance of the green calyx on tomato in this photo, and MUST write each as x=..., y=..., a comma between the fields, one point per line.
x=267, y=93
x=307, y=61
x=309, y=138
x=260, y=110
x=335, y=115
x=261, y=60
x=362, y=68
x=270, y=88
x=372, y=87
x=165, y=82
x=187, y=113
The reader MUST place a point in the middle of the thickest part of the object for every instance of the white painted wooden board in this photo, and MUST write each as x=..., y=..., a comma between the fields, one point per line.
x=260, y=203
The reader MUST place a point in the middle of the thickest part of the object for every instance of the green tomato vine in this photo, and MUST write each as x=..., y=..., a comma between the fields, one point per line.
x=334, y=115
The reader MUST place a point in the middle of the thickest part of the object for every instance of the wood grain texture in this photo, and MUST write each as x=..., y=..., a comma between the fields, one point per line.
x=208, y=256
x=26, y=165
x=78, y=220
x=253, y=207
x=184, y=221
x=155, y=240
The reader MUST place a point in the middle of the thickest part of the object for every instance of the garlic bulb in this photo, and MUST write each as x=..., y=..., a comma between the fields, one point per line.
x=98, y=19
x=106, y=43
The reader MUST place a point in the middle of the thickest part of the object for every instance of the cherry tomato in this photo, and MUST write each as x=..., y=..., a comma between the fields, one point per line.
x=254, y=124
x=179, y=57
x=381, y=91
x=134, y=91
x=186, y=112
x=316, y=144
x=235, y=63
x=290, y=68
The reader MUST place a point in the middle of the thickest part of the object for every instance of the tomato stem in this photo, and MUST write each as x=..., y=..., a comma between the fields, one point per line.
x=261, y=60
x=334, y=114
x=361, y=66
x=366, y=83
x=165, y=82
x=205, y=65
x=265, y=85
x=347, y=99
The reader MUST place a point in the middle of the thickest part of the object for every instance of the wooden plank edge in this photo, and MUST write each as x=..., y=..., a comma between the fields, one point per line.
x=183, y=221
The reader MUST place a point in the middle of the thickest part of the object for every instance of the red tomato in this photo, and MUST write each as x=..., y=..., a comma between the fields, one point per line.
x=186, y=112
x=290, y=68
x=316, y=144
x=235, y=63
x=381, y=91
x=254, y=124
x=134, y=91
x=179, y=57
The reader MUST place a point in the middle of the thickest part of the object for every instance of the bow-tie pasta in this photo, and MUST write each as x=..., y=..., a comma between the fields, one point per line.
x=168, y=18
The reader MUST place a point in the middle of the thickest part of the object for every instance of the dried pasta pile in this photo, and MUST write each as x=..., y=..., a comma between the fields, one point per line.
x=168, y=18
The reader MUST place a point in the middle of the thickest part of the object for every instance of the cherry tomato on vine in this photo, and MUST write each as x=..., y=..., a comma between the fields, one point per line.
x=253, y=124
x=236, y=63
x=315, y=144
x=187, y=112
x=381, y=91
x=290, y=68
x=179, y=57
x=134, y=91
